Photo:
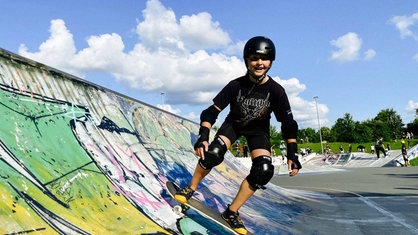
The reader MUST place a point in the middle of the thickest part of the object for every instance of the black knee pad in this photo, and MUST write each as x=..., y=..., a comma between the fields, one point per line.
x=215, y=154
x=261, y=172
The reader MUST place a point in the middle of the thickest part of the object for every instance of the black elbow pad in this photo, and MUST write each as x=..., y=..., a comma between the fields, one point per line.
x=209, y=115
x=290, y=129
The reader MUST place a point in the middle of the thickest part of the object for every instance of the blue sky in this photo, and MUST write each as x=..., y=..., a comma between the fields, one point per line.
x=358, y=57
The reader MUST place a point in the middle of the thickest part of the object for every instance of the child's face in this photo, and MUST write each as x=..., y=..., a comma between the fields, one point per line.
x=258, y=65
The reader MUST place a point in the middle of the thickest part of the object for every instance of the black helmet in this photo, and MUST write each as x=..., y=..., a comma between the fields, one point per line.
x=260, y=45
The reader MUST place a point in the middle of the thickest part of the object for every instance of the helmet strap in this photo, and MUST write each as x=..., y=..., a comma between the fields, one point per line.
x=257, y=79
x=261, y=78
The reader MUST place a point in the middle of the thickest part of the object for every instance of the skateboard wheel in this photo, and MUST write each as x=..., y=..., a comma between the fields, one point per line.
x=178, y=210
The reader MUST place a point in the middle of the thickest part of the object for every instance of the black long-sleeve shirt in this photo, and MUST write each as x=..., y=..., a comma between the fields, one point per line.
x=251, y=106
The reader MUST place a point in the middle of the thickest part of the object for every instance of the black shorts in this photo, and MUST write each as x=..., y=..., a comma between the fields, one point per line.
x=259, y=140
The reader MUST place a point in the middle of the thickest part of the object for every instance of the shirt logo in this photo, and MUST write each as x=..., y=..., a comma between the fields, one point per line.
x=252, y=107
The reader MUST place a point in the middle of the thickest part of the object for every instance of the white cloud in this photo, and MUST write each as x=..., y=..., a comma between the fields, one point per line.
x=404, y=24
x=189, y=59
x=412, y=107
x=192, y=116
x=304, y=111
x=169, y=108
x=348, y=48
x=165, y=59
x=57, y=50
x=160, y=30
x=369, y=54
x=292, y=86
x=192, y=27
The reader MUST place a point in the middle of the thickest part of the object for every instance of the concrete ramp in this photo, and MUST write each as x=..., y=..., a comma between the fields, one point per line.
x=77, y=158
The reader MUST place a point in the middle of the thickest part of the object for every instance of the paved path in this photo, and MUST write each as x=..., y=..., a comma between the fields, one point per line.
x=367, y=200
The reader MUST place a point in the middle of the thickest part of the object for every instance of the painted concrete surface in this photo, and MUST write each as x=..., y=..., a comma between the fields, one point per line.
x=76, y=158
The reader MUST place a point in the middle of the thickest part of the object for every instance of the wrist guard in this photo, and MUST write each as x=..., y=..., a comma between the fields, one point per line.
x=203, y=136
x=292, y=149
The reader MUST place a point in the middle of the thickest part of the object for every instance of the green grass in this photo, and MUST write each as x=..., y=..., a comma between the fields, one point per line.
x=414, y=162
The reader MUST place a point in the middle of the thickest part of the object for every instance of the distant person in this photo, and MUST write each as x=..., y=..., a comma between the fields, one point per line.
x=408, y=138
x=388, y=149
x=372, y=149
x=283, y=149
x=404, y=154
x=327, y=149
x=238, y=148
x=252, y=99
x=380, y=147
x=303, y=151
x=349, y=148
x=273, y=152
x=341, y=149
x=245, y=151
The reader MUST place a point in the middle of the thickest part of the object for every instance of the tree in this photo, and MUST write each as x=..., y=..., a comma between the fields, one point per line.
x=387, y=124
x=343, y=129
x=363, y=131
x=308, y=134
x=327, y=134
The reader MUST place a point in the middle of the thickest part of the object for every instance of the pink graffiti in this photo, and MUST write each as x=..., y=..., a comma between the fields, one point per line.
x=140, y=197
x=133, y=156
x=116, y=163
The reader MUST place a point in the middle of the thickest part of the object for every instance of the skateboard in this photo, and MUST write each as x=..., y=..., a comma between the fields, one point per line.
x=200, y=208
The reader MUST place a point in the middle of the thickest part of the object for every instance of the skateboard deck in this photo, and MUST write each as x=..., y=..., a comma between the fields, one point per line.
x=201, y=208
